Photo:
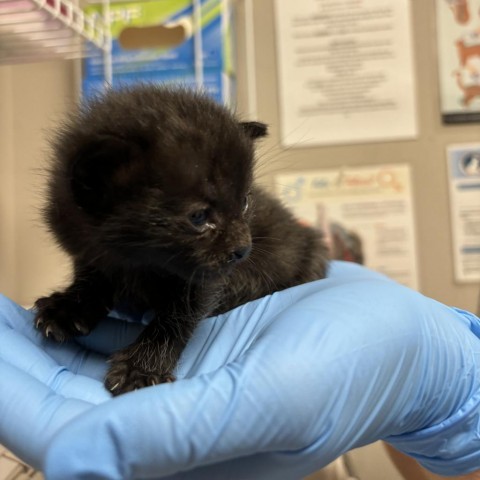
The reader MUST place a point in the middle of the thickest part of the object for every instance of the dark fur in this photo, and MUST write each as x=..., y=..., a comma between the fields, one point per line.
x=131, y=172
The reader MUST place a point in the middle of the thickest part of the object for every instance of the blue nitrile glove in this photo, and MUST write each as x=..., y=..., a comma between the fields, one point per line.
x=274, y=389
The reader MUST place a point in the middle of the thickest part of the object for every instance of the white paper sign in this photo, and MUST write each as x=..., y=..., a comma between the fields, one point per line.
x=345, y=71
x=464, y=171
x=373, y=202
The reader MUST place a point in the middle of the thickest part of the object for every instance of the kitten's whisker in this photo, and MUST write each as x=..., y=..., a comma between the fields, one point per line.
x=172, y=257
x=266, y=238
x=189, y=291
x=101, y=254
x=270, y=283
x=267, y=253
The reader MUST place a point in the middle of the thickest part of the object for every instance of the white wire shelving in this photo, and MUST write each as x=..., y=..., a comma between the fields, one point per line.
x=35, y=30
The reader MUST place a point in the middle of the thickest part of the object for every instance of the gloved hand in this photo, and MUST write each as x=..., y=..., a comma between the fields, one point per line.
x=274, y=389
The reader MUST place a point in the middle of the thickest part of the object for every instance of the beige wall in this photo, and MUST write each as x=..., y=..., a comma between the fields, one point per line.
x=32, y=97
x=8, y=279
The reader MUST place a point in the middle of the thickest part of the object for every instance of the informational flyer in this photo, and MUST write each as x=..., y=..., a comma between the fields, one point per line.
x=345, y=71
x=373, y=203
x=458, y=39
x=464, y=174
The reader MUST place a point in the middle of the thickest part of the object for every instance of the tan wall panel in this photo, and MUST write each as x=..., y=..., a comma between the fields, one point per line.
x=8, y=273
x=41, y=94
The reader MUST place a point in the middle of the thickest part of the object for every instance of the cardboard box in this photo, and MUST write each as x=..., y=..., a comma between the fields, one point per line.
x=155, y=41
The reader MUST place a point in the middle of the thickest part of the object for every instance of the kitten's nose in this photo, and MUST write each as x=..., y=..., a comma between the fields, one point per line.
x=240, y=253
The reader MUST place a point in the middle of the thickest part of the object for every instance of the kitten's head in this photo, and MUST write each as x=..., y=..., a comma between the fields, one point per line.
x=154, y=177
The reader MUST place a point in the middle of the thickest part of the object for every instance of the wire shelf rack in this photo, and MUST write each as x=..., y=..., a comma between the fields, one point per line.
x=35, y=30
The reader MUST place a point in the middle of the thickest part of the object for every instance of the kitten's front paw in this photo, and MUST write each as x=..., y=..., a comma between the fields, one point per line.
x=126, y=376
x=60, y=318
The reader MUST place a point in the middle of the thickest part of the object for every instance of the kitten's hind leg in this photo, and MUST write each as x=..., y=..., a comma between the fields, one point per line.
x=76, y=310
x=150, y=360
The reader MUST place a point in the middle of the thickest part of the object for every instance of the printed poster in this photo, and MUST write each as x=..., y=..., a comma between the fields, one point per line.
x=458, y=38
x=345, y=71
x=373, y=204
x=464, y=173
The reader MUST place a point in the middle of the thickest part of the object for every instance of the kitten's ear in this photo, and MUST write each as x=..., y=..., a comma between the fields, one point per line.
x=93, y=172
x=254, y=130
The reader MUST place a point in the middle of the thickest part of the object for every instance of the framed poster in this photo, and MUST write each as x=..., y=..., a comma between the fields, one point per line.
x=464, y=178
x=458, y=39
x=374, y=203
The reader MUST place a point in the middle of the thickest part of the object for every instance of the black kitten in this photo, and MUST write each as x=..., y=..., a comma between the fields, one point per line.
x=151, y=194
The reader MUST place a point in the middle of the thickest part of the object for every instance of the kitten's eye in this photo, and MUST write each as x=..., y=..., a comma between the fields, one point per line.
x=199, y=218
x=246, y=203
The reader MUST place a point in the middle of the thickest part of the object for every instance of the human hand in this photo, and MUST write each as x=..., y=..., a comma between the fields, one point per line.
x=276, y=388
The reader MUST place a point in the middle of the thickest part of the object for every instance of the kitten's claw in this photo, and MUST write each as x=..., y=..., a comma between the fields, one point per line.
x=124, y=377
x=81, y=328
x=59, y=317
x=57, y=335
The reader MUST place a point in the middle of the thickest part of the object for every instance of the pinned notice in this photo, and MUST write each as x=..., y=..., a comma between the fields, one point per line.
x=345, y=71
x=464, y=172
x=374, y=203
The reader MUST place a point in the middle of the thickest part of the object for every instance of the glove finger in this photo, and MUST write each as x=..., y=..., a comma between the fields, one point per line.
x=31, y=413
x=209, y=418
x=110, y=335
x=22, y=346
x=21, y=353
x=265, y=466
